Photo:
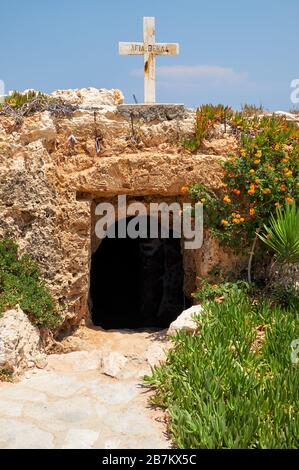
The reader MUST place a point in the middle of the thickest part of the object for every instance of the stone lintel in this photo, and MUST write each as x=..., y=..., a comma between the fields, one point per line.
x=153, y=112
x=149, y=175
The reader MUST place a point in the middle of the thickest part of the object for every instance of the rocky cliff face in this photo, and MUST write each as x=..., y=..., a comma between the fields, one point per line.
x=52, y=168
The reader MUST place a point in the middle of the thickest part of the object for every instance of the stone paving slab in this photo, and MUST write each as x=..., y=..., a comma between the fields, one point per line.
x=73, y=404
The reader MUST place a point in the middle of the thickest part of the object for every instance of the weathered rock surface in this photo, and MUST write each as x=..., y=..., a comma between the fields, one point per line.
x=20, y=345
x=185, y=321
x=156, y=112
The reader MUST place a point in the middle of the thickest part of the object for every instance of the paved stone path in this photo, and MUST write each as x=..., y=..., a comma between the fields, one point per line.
x=91, y=398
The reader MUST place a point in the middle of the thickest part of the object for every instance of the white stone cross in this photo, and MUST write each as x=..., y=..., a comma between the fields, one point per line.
x=149, y=48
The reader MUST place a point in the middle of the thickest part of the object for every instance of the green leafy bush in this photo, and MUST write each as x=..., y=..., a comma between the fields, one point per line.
x=20, y=283
x=233, y=385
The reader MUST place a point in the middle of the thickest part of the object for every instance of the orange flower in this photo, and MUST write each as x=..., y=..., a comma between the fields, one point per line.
x=277, y=204
x=225, y=185
x=215, y=286
x=286, y=170
x=285, y=160
x=283, y=187
x=184, y=189
x=256, y=162
x=266, y=191
x=250, y=191
x=237, y=191
x=289, y=199
x=224, y=222
x=231, y=175
x=226, y=199
x=251, y=211
x=242, y=219
x=257, y=181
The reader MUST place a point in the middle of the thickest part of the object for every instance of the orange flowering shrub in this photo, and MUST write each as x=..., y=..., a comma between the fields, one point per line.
x=184, y=189
x=262, y=175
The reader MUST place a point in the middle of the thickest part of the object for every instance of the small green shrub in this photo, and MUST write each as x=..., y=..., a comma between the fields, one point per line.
x=206, y=116
x=207, y=291
x=287, y=297
x=233, y=385
x=17, y=99
x=20, y=105
x=20, y=283
x=249, y=110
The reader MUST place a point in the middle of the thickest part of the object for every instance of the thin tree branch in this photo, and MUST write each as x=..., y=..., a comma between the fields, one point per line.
x=251, y=256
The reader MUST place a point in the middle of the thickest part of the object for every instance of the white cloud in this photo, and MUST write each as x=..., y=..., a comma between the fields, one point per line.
x=191, y=72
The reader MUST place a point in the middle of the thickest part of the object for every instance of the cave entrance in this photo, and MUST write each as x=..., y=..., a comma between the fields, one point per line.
x=136, y=283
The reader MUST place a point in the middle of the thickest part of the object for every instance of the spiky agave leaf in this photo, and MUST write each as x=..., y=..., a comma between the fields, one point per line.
x=282, y=233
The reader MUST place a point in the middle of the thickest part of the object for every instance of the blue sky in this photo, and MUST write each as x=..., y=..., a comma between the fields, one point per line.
x=230, y=51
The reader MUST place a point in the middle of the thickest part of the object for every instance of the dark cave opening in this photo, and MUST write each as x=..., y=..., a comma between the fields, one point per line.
x=137, y=283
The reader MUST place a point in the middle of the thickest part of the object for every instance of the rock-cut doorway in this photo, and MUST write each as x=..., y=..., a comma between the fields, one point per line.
x=136, y=283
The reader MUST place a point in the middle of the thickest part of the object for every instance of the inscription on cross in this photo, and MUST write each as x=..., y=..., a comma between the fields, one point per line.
x=149, y=48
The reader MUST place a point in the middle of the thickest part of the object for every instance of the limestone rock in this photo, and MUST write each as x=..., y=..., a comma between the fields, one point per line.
x=113, y=364
x=76, y=360
x=185, y=321
x=156, y=353
x=289, y=116
x=40, y=126
x=19, y=342
x=96, y=97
